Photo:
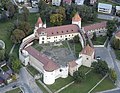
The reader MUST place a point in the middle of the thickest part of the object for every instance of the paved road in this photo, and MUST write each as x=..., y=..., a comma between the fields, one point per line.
x=107, y=17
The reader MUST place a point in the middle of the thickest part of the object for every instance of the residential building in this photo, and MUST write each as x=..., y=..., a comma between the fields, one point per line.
x=79, y=2
x=104, y=8
x=98, y=28
x=2, y=82
x=87, y=55
x=92, y=2
x=56, y=2
x=67, y=2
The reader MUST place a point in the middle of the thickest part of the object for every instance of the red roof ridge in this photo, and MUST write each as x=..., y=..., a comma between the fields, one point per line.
x=39, y=21
x=76, y=17
x=87, y=50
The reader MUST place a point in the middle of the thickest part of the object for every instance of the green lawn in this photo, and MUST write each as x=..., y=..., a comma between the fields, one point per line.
x=5, y=34
x=91, y=80
x=108, y=2
x=107, y=83
x=78, y=48
x=84, y=69
x=5, y=68
x=32, y=70
x=99, y=40
x=59, y=83
x=41, y=87
x=117, y=53
x=17, y=90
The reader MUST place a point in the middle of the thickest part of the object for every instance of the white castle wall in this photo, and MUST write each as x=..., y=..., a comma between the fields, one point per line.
x=49, y=77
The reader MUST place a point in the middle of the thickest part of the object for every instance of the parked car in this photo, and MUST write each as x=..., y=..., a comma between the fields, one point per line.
x=98, y=58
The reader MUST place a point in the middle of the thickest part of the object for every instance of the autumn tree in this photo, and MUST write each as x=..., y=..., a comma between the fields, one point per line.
x=115, y=43
x=56, y=19
x=113, y=75
x=17, y=36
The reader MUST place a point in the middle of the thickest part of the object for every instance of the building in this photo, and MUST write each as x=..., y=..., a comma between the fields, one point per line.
x=2, y=82
x=67, y=2
x=79, y=2
x=104, y=8
x=46, y=65
x=92, y=2
x=56, y=2
x=98, y=28
x=87, y=55
x=58, y=33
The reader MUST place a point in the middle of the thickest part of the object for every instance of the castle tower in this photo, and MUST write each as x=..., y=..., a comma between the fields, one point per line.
x=76, y=20
x=39, y=23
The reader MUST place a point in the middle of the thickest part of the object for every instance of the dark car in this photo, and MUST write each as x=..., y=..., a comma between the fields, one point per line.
x=14, y=86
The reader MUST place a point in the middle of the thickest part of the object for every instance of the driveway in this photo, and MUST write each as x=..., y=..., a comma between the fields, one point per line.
x=104, y=54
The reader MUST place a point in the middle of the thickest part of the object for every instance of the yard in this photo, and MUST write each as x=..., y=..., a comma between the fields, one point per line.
x=99, y=40
x=108, y=85
x=84, y=69
x=59, y=83
x=5, y=68
x=91, y=80
x=17, y=90
x=32, y=70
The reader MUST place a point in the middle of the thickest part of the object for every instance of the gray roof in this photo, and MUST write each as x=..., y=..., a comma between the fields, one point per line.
x=103, y=5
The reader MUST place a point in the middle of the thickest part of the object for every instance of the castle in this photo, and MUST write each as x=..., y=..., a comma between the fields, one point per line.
x=47, y=66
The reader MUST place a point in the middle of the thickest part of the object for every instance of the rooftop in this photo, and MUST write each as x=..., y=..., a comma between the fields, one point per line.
x=87, y=50
x=103, y=5
x=76, y=17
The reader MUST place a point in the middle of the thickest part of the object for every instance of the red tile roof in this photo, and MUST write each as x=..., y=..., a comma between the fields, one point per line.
x=87, y=50
x=117, y=34
x=59, y=30
x=76, y=18
x=39, y=21
x=72, y=64
x=95, y=26
x=49, y=64
x=67, y=1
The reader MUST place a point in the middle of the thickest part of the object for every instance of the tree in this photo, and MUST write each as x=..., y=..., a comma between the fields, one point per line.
x=56, y=19
x=100, y=67
x=2, y=54
x=25, y=14
x=61, y=10
x=25, y=27
x=115, y=43
x=17, y=36
x=4, y=3
x=4, y=16
x=11, y=9
x=111, y=27
x=76, y=39
x=16, y=65
x=94, y=36
x=113, y=75
x=78, y=76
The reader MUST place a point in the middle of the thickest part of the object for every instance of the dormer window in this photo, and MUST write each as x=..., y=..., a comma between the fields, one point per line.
x=62, y=31
x=52, y=33
x=71, y=30
x=57, y=32
x=67, y=30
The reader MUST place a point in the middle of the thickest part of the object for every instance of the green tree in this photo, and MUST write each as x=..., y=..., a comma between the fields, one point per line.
x=11, y=9
x=25, y=26
x=111, y=27
x=61, y=10
x=17, y=36
x=100, y=67
x=113, y=75
x=94, y=36
x=2, y=54
x=25, y=14
x=56, y=19
x=4, y=3
x=76, y=39
x=78, y=76
x=16, y=65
